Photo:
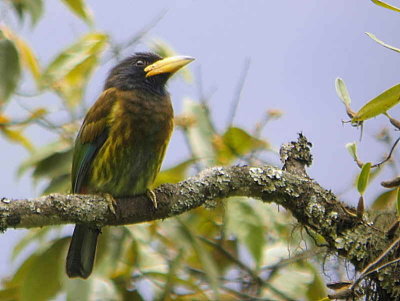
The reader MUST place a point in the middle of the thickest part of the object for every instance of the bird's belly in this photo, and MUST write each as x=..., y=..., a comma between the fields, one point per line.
x=125, y=170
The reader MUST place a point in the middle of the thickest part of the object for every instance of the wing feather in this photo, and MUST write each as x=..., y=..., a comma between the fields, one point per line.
x=91, y=137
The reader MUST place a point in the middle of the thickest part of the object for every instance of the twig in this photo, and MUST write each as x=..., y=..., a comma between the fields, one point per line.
x=196, y=163
x=392, y=183
x=369, y=267
x=168, y=287
x=232, y=258
x=385, y=265
x=117, y=48
x=244, y=296
x=388, y=156
x=306, y=254
x=238, y=92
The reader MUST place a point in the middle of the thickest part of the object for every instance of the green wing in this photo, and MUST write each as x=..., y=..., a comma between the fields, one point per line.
x=90, y=139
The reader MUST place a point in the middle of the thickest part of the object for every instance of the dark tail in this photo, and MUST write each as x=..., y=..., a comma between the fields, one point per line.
x=82, y=251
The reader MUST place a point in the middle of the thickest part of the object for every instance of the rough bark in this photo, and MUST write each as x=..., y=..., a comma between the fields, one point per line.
x=314, y=207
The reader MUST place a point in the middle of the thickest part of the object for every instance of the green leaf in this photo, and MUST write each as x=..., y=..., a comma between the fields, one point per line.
x=20, y=275
x=379, y=104
x=174, y=174
x=363, y=178
x=374, y=173
x=43, y=153
x=209, y=266
x=43, y=279
x=236, y=143
x=385, y=5
x=33, y=7
x=398, y=202
x=10, y=65
x=58, y=163
x=352, y=149
x=51, y=162
x=293, y=281
x=146, y=258
x=70, y=71
x=79, y=8
x=245, y=223
x=112, y=248
x=9, y=294
x=384, y=200
x=60, y=184
x=316, y=289
x=372, y=36
x=94, y=288
x=78, y=289
x=201, y=133
x=171, y=278
x=342, y=92
x=27, y=56
x=190, y=284
x=73, y=85
x=33, y=236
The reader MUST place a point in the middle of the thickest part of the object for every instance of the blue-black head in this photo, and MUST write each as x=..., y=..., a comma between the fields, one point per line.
x=145, y=70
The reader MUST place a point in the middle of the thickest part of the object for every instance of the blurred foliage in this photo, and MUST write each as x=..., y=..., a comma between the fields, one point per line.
x=69, y=72
x=10, y=65
x=241, y=249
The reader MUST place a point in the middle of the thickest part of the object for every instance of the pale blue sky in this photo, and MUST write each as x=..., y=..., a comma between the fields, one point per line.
x=297, y=49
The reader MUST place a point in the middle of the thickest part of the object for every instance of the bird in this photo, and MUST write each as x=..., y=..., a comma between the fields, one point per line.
x=122, y=142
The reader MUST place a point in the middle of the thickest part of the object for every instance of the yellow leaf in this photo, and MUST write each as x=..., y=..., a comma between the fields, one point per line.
x=79, y=8
x=28, y=58
x=4, y=119
x=38, y=113
x=69, y=72
x=72, y=86
x=384, y=200
x=379, y=104
x=385, y=5
x=372, y=36
x=174, y=174
x=17, y=136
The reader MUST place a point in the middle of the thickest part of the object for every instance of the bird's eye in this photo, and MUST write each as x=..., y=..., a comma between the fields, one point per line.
x=140, y=63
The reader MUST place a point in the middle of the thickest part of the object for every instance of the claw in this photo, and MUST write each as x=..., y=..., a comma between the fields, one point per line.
x=112, y=203
x=152, y=196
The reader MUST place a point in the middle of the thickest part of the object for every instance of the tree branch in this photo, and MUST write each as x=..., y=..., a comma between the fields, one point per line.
x=314, y=207
x=266, y=183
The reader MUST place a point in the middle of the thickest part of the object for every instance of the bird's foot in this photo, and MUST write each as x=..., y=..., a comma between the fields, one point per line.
x=112, y=203
x=152, y=196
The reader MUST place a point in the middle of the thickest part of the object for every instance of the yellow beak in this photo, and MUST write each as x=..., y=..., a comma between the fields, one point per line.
x=167, y=65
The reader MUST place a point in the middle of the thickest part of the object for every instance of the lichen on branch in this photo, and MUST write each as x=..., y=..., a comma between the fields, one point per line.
x=316, y=208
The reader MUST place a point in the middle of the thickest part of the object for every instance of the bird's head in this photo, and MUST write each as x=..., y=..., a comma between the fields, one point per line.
x=145, y=70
